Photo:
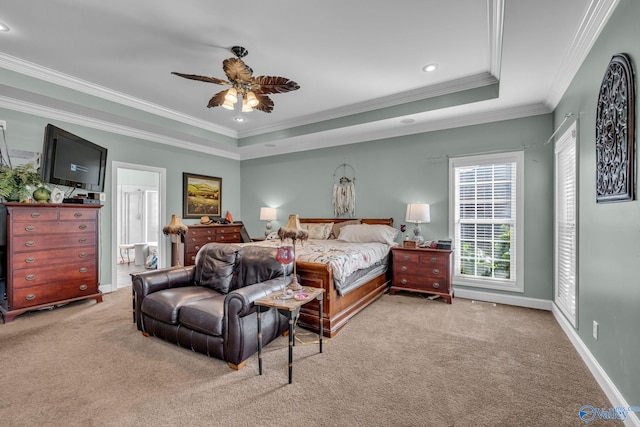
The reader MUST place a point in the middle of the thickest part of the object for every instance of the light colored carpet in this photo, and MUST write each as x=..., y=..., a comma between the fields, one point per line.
x=403, y=361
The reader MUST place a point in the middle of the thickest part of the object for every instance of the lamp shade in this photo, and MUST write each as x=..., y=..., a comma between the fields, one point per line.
x=418, y=213
x=268, y=214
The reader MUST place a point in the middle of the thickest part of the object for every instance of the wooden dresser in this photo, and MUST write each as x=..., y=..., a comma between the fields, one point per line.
x=200, y=235
x=422, y=270
x=50, y=256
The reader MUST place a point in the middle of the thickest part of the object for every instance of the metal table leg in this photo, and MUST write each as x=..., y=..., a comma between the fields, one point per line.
x=259, y=340
x=290, y=347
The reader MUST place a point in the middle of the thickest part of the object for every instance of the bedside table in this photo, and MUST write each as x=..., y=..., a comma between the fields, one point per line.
x=423, y=270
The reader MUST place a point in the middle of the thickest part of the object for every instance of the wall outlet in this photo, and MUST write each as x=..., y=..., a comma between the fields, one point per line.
x=103, y=197
x=3, y=124
x=595, y=330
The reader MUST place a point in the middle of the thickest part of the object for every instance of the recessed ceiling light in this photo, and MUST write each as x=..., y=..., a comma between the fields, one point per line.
x=239, y=119
x=4, y=27
x=429, y=68
x=407, y=121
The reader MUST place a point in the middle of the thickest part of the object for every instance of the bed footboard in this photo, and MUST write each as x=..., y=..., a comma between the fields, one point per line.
x=337, y=310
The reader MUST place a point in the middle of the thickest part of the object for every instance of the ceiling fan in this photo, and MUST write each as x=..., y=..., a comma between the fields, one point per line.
x=253, y=90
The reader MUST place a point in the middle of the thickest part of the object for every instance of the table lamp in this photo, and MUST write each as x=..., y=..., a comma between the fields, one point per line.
x=268, y=214
x=418, y=213
x=175, y=229
x=293, y=231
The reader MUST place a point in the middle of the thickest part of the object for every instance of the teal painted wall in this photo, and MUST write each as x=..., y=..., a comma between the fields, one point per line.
x=393, y=172
x=25, y=132
x=609, y=234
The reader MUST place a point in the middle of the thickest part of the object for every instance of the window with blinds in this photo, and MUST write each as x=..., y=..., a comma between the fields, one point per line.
x=486, y=196
x=566, y=224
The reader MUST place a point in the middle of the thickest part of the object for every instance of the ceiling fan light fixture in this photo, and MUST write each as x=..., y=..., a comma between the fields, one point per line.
x=228, y=105
x=231, y=96
x=252, y=100
x=246, y=108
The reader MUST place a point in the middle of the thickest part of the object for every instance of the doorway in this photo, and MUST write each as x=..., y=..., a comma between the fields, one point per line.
x=139, y=210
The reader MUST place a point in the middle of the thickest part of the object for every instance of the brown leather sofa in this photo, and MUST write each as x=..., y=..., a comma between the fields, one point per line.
x=208, y=307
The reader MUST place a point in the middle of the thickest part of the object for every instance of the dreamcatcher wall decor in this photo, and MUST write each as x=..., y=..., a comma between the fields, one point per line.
x=615, y=133
x=344, y=191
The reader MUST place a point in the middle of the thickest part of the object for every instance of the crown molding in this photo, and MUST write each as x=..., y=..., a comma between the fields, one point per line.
x=51, y=76
x=82, y=120
x=594, y=20
x=343, y=136
x=496, y=31
x=445, y=88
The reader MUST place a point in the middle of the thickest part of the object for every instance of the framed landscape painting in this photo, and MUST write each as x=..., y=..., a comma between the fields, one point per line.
x=202, y=195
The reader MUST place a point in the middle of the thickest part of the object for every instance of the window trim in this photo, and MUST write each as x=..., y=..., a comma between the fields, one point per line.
x=515, y=284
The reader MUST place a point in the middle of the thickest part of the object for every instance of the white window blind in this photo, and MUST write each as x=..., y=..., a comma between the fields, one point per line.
x=566, y=224
x=486, y=194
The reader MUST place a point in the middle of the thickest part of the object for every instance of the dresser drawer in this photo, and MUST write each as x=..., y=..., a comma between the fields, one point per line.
x=228, y=237
x=29, y=277
x=52, y=227
x=34, y=214
x=420, y=283
x=45, y=258
x=78, y=214
x=51, y=292
x=34, y=243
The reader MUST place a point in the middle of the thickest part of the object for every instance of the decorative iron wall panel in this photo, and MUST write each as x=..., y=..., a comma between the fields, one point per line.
x=615, y=133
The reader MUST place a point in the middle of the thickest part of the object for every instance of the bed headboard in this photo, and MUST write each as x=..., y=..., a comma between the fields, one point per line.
x=384, y=221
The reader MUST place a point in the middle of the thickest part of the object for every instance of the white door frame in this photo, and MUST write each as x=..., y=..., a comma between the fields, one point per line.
x=162, y=185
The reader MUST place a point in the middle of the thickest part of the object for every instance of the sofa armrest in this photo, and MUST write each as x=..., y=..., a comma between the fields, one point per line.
x=240, y=302
x=148, y=282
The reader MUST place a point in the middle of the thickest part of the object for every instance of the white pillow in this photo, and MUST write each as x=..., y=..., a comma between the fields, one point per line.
x=363, y=233
x=320, y=231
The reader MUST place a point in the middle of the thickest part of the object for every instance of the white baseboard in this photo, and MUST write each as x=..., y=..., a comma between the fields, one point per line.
x=609, y=388
x=540, y=304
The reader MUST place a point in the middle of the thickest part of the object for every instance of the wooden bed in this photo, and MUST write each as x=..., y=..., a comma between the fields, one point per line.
x=337, y=309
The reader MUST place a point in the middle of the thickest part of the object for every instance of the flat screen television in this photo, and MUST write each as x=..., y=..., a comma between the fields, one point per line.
x=72, y=161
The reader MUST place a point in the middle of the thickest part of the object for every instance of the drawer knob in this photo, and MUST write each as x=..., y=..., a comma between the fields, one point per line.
x=403, y=281
x=82, y=226
x=197, y=247
x=82, y=240
x=406, y=257
x=436, y=285
x=30, y=297
x=77, y=214
x=436, y=271
x=29, y=228
x=82, y=254
x=221, y=237
x=30, y=259
x=30, y=277
x=83, y=287
x=30, y=243
x=35, y=215
x=403, y=268
x=208, y=238
x=433, y=259
x=84, y=270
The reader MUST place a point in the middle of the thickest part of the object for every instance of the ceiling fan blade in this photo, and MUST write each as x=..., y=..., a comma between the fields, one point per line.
x=275, y=84
x=202, y=78
x=237, y=70
x=217, y=99
x=265, y=103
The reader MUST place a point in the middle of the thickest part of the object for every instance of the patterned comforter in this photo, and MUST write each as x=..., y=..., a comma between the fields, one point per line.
x=343, y=257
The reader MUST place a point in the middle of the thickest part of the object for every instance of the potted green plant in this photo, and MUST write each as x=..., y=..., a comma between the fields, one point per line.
x=14, y=182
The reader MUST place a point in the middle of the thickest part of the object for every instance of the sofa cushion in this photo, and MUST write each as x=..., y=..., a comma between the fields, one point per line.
x=205, y=315
x=215, y=265
x=165, y=305
x=257, y=264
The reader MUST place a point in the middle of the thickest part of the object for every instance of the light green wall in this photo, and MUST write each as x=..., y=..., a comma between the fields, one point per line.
x=25, y=132
x=393, y=172
x=609, y=234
